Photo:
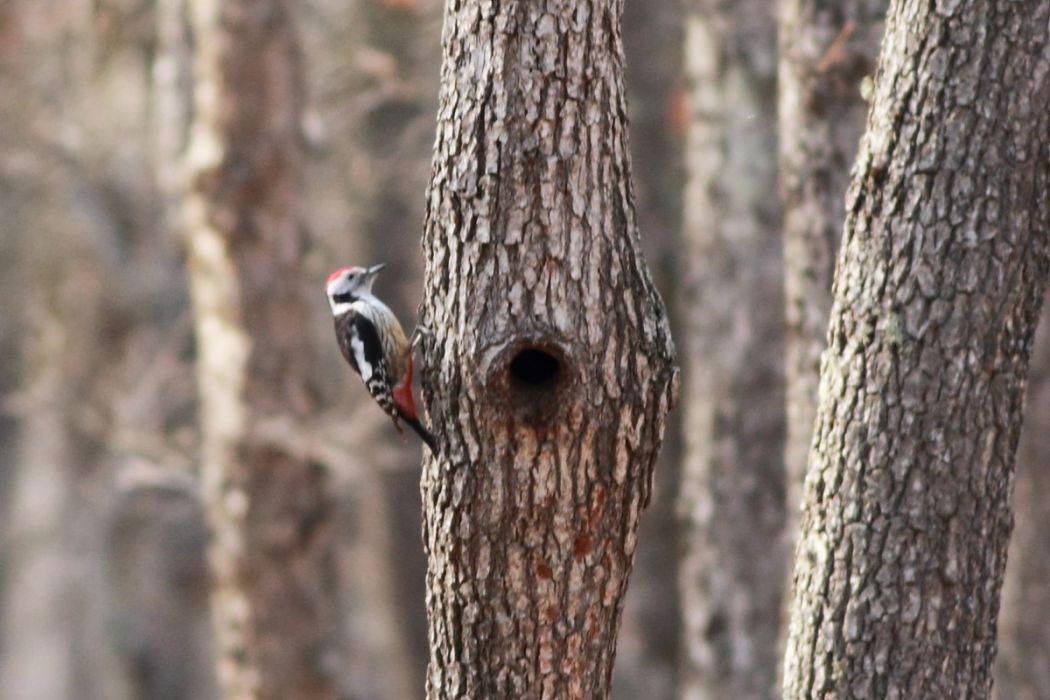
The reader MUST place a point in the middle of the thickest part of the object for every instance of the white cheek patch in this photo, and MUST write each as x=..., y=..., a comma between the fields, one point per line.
x=358, y=348
x=339, y=307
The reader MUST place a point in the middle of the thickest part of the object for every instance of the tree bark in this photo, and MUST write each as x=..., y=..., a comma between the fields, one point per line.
x=827, y=48
x=906, y=511
x=732, y=493
x=550, y=371
x=269, y=511
x=1023, y=668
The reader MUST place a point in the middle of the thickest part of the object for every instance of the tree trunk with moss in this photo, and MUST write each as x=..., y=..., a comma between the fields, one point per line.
x=827, y=50
x=906, y=511
x=269, y=510
x=731, y=502
x=550, y=371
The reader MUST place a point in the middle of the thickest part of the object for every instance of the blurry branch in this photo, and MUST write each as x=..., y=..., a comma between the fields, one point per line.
x=166, y=459
x=146, y=475
x=333, y=440
x=837, y=55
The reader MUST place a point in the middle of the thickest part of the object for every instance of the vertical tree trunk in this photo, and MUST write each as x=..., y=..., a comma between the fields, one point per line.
x=1023, y=668
x=269, y=510
x=827, y=48
x=731, y=503
x=550, y=371
x=648, y=643
x=38, y=659
x=906, y=511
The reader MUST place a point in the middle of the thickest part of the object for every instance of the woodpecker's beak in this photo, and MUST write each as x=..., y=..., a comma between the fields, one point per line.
x=374, y=270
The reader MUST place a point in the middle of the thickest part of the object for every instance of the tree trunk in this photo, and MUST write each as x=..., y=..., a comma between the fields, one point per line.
x=732, y=494
x=1023, y=668
x=906, y=511
x=38, y=659
x=648, y=642
x=550, y=371
x=827, y=49
x=269, y=510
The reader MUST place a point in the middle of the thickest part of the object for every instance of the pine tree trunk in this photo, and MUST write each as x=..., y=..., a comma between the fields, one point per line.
x=550, y=371
x=732, y=494
x=269, y=510
x=827, y=49
x=906, y=511
x=1023, y=668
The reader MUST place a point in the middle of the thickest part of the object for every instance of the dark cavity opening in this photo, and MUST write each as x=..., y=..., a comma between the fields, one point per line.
x=535, y=368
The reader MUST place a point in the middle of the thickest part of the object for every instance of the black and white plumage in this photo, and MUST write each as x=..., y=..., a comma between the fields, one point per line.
x=373, y=342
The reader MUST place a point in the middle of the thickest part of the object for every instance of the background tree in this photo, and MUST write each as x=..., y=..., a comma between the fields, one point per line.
x=647, y=646
x=550, y=371
x=732, y=492
x=1023, y=668
x=374, y=78
x=826, y=50
x=87, y=291
x=268, y=508
x=906, y=512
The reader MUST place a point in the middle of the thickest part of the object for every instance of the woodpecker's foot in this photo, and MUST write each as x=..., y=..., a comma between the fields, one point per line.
x=418, y=334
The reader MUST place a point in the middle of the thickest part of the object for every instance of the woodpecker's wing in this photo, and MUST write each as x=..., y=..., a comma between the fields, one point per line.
x=360, y=343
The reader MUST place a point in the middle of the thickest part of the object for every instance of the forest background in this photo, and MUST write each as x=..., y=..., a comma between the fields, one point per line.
x=744, y=122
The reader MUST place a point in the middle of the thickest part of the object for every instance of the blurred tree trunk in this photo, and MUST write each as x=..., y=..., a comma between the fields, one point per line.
x=269, y=510
x=374, y=67
x=39, y=651
x=731, y=502
x=390, y=144
x=647, y=647
x=56, y=643
x=159, y=590
x=906, y=513
x=827, y=48
x=1023, y=668
x=55, y=639
x=156, y=540
x=170, y=107
x=550, y=371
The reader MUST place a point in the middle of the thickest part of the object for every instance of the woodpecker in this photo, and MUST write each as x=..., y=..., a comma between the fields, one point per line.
x=373, y=342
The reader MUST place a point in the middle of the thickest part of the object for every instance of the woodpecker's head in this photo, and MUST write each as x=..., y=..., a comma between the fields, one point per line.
x=348, y=284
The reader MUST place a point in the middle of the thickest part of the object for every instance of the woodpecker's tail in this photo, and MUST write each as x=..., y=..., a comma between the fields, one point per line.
x=423, y=433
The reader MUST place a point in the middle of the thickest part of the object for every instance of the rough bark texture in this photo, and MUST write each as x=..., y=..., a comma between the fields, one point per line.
x=826, y=50
x=906, y=511
x=1023, y=668
x=269, y=511
x=551, y=371
x=732, y=493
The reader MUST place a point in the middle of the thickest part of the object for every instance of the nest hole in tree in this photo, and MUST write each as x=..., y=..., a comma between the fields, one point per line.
x=535, y=368
x=536, y=375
